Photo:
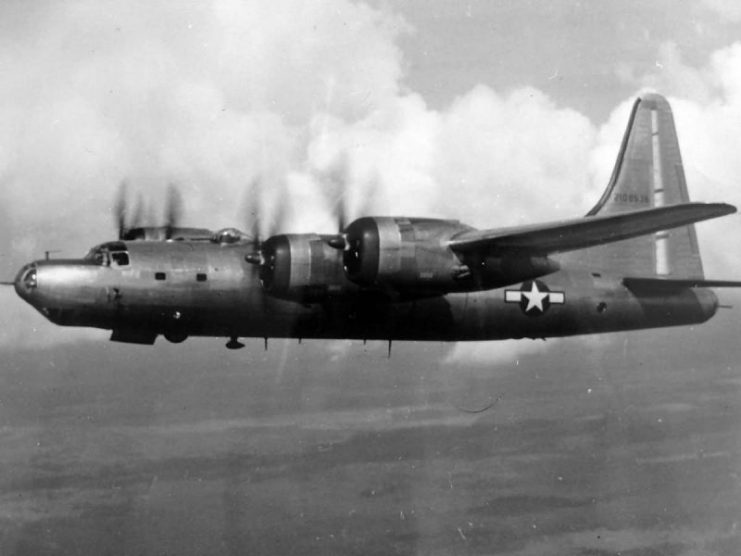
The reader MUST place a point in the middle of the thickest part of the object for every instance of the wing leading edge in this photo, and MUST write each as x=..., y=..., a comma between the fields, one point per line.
x=580, y=233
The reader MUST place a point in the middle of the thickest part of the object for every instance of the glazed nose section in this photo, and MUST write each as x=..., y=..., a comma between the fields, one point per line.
x=26, y=282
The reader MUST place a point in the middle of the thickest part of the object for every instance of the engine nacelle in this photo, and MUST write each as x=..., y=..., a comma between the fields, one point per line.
x=409, y=255
x=302, y=267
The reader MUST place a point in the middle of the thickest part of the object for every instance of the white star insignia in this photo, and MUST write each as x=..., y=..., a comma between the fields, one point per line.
x=537, y=297
x=534, y=298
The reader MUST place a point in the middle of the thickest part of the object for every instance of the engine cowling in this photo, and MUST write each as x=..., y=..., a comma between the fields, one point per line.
x=301, y=267
x=412, y=256
x=405, y=254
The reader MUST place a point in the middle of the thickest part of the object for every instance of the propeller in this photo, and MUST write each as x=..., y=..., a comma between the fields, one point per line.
x=120, y=209
x=335, y=181
x=173, y=210
x=128, y=218
x=254, y=208
x=137, y=215
x=342, y=240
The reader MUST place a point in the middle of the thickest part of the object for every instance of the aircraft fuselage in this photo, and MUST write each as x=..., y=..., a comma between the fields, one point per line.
x=181, y=289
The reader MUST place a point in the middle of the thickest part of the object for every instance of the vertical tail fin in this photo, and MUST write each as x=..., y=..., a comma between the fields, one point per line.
x=648, y=173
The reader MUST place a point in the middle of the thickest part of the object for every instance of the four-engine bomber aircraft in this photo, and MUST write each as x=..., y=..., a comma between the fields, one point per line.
x=632, y=262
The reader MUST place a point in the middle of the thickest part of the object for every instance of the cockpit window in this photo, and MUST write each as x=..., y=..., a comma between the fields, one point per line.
x=121, y=258
x=104, y=254
x=99, y=256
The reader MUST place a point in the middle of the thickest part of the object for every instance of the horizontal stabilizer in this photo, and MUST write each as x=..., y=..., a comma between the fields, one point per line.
x=580, y=233
x=672, y=283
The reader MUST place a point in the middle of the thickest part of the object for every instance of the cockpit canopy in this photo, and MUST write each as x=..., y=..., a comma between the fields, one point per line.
x=107, y=254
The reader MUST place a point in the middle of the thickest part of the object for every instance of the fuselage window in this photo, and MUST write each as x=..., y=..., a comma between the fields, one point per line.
x=160, y=276
x=121, y=258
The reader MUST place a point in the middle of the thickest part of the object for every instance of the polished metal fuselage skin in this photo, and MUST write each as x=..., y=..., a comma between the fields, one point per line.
x=182, y=289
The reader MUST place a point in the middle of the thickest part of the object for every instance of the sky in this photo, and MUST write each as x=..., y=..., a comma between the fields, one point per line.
x=495, y=113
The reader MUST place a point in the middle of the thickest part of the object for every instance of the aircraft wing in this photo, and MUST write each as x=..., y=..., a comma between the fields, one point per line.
x=674, y=283
x=580, y=233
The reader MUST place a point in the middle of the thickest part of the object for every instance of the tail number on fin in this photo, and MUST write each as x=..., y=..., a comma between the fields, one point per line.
x=631, y=198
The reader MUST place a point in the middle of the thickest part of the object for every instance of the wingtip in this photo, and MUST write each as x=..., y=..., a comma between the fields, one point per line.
x=725, y=208
x=717, y=209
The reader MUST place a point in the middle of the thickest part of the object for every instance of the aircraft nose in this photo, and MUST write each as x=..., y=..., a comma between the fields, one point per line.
x=26, y=281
